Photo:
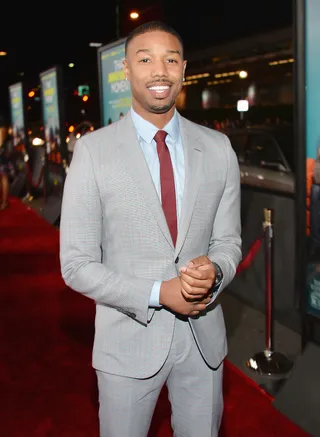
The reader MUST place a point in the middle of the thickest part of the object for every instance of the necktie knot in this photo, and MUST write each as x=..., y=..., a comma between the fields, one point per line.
x=160, y=136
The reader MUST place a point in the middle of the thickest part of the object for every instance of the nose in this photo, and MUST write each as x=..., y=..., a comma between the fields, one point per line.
x=159, y=68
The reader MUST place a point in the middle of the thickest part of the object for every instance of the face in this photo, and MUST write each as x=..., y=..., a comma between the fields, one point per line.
x=155, y=67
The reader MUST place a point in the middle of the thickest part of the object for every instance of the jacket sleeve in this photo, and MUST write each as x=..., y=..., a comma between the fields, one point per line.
x=81, y=240
x=225, y=242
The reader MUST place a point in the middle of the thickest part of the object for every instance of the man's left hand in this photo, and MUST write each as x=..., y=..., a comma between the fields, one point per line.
x=197, y=278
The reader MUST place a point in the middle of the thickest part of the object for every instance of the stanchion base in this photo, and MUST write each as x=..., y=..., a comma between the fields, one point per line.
x=27, y=198
x=270, y=363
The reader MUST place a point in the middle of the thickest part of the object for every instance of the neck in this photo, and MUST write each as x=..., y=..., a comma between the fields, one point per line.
x=158, y=120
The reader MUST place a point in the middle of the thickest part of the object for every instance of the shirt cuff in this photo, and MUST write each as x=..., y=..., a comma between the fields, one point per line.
x=155, y=295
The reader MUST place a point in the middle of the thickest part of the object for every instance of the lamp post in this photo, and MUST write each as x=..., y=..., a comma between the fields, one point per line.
x=242, y=104
x=243, y=75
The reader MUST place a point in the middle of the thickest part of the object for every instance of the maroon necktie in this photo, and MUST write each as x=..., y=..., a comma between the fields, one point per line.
x=168, y=193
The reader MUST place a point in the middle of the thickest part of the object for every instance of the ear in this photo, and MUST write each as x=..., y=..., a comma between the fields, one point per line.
x=184, y=68
x=126, y=69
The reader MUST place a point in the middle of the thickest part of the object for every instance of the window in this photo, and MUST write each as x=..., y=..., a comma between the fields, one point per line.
x=239, y=142
x=263, y=151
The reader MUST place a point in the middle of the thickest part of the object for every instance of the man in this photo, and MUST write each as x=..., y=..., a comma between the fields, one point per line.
x=150, y=231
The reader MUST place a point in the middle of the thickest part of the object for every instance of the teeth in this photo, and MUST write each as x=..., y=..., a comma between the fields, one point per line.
x=158, y=88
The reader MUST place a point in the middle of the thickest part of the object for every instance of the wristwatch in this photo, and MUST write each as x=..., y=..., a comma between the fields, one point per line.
x=219, y=275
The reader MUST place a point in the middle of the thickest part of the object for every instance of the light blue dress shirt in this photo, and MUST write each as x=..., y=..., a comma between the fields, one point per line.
x=146, y=132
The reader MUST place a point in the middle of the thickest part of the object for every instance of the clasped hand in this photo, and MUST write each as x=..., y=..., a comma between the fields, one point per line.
x=190, y=292
x=197, y=279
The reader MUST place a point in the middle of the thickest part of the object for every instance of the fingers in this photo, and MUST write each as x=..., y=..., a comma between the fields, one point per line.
x=190, y=283
x=191, y=275
x=191, y=297
x=197, y=309
x=194, y=273
x=202, y=297
x=207, y=300
x=195, y=287
x=206, y=267
x=202, y=273
x=197, y=306
x=200, y=260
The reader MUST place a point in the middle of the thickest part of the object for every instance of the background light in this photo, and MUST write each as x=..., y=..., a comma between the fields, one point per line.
x=71, y=65
x=95, y=44
x=243, y=74
x=37, y=141
x=3, y=53
x=134, y=15
x=242, y=105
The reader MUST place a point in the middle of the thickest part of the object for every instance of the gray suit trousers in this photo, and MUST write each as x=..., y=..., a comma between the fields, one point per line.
x=127, y=404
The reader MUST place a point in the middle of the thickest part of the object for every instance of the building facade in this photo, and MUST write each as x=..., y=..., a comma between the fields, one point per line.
x=258, y=69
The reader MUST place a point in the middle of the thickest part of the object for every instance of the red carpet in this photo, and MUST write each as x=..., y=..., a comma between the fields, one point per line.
x=47, y=385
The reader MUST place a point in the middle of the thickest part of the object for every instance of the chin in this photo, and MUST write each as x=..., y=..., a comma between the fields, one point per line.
x=160, y=107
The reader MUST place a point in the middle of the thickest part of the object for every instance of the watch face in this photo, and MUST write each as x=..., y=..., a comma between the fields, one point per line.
x=219, y=274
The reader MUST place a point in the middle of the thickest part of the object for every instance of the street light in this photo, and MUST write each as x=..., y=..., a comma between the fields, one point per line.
x=243, y=74
x=134, y=15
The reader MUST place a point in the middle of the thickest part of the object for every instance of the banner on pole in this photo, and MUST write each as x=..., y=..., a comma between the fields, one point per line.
x=115, y=90
x=17, y=112
x=54, y=130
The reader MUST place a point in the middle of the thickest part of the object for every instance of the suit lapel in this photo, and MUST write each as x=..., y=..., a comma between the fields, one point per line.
x=193, y=155
x=138, y=167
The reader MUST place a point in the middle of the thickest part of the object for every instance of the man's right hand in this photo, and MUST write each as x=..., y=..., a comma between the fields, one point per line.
x=172, y=298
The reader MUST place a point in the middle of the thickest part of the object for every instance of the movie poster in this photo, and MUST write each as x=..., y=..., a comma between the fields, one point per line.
x=115, y=91
x=17, y=115
x=312, y=74
x=54, y=135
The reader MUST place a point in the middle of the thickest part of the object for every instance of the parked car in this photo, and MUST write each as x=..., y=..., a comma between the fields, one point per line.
x=266, y=156
x=79, y=131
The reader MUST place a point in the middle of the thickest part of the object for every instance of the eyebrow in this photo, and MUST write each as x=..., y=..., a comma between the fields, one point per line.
x=177, y=52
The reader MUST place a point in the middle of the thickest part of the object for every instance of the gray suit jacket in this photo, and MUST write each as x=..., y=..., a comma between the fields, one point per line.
x=115, y=242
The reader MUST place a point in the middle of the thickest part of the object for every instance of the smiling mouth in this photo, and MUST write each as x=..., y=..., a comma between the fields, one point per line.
x=159, y=91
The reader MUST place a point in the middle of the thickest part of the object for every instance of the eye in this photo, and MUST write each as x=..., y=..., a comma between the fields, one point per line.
x=172, y=61
x=144, y=60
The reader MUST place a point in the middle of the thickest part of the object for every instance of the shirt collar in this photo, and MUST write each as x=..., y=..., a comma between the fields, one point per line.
x=147, y=130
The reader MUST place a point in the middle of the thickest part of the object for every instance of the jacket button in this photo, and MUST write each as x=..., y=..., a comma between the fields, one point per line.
x=177, y=260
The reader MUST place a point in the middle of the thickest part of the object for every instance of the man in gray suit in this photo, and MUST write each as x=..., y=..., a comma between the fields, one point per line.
x=150, y=230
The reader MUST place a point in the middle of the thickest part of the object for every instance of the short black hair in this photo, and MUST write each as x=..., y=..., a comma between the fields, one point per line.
x=152, y=26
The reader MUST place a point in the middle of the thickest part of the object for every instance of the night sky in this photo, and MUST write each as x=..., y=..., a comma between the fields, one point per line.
x=37, y=39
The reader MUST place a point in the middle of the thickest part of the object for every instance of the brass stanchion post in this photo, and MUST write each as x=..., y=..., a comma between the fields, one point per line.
x=269, y=362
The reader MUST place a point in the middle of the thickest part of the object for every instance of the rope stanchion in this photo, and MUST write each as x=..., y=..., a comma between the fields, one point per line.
x=269, y=362
x=30, y=183
x=248, y=259
x=30, y=178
